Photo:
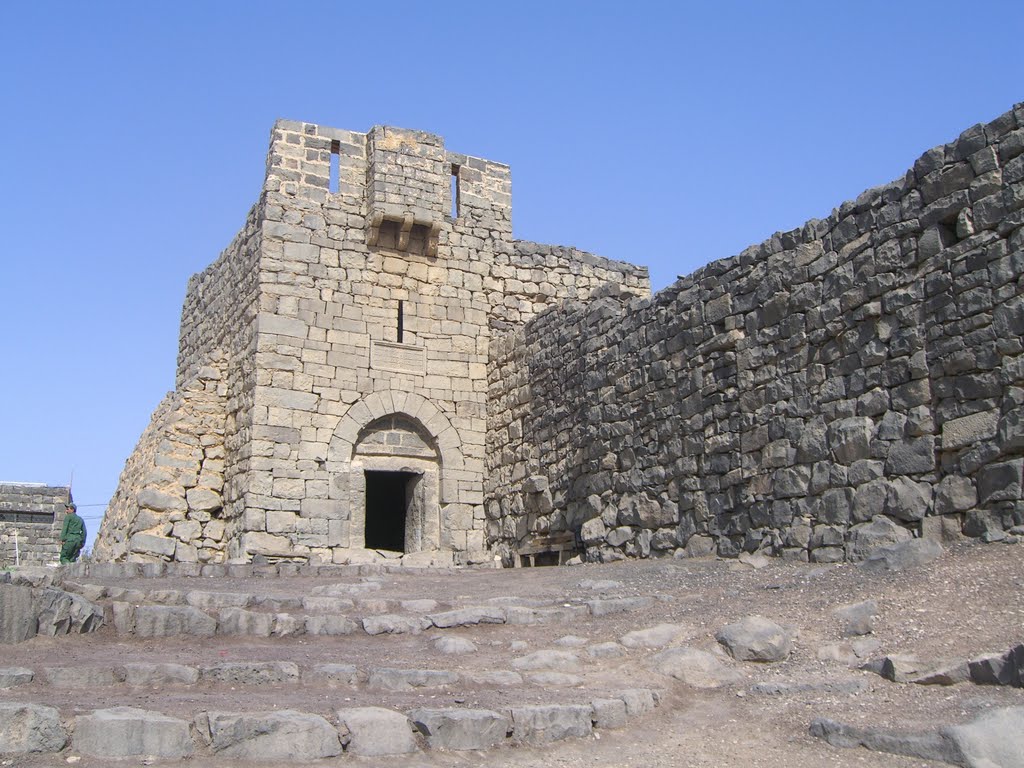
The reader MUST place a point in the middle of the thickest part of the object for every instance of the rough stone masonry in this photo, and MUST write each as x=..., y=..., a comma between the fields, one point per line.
x=375, y=365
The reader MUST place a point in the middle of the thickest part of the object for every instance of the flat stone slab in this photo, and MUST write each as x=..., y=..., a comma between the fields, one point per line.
x=390, y=679
x=375, y=731
x=346, y=675
x=251, y=673
x=460, y=729
x=284, y=735
x=30, y=728
x=131, y=732
x=694, y=667
x=172, y=620
x=547, y=659
x=79, y=677
x=614, y=605
x=653, y=637
x=140, y=673
x=462, y=617
x=396, y=624
x=18, y=617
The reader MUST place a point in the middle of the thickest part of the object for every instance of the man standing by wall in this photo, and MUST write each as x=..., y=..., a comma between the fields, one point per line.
x=72, y=534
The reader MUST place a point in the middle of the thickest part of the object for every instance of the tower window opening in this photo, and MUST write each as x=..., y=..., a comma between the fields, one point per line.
x=332, y=183
x=401, y=321
x=455, y=191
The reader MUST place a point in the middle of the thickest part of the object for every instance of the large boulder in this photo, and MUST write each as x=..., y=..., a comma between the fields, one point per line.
x=63, y=613
x=130, y=732
x=756, y=638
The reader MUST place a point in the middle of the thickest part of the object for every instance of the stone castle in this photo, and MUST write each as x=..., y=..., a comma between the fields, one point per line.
x=375, y=368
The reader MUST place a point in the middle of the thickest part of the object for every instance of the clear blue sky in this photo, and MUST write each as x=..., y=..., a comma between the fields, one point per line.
x=664, y=133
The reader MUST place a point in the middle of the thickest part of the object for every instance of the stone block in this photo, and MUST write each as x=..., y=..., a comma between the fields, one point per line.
x=286, y=735
x=18, y=614
x=969, y=430
x=955, y=493
x=148, y=544
x=28, y=728
x=11, y=677
x=79, y=676
x=462, y=729
x=159, y=674
x=540, y=724
x=609, y=713
x=171, y=620
x=130, y=732
x=375, y=731
x=1000, y=482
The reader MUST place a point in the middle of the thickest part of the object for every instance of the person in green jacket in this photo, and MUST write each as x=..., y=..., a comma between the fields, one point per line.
x=72, y=535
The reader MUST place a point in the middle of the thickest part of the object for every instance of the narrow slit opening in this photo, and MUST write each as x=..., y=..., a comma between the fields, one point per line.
x=332, y=184
x=401, y=321
x=455, y=191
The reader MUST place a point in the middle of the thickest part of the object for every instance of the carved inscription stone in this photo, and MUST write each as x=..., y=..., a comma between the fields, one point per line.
x=400, y=358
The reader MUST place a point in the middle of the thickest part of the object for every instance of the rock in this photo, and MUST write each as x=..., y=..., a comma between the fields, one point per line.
x=138, y=674
x=908, y=500
x=696, y=668
x=286, y=735
x=374, y=731
x=999, y=668
x=547, y=659
x=394, y=624
x=550, y=679
x=421, y=605
x=609, y=650
x=610, y=606
x=944, y=673
x=638, y=701
x=756, y=560
x=756, y=638
x=238, y=621
x=30, y=728
x=326, y=604
x=155, y=546
x=880, y=532
x=79, y=677
x=460, y=729
x=18, y=614
x=332, y=674
x=851, y=653
x=846, y=687
x=330, y=625
x=571, y=641
x=850, y=438
x=212, y=601
x=901, y=667
x=63, y=613
x=700, y=546
x=593, y=531
x=517, y=614
x=609, y=713
x=653, y=637
x=389, y=679
x=899, y=557
x=131, y=732
x=993, y=740
x=955, y=493
x=251, y=673
x=454, y=646
x=539, y=724
x=171, y=620
x=857, y=618
x=11, y=677
x=500, y=678
x=463, y=617
x=600, y=585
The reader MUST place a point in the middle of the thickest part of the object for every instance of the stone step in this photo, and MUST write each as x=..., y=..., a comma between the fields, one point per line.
x=295, y=736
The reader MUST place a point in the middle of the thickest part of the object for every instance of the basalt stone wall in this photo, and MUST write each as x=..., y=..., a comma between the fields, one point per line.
x=31, y=517
x=169, y=500
x=857, y=378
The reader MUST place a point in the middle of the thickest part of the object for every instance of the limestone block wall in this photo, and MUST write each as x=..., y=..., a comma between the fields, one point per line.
x=31, y=517
x=868, y=364
x=169, y=500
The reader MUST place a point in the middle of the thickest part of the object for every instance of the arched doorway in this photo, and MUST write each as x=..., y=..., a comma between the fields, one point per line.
x=394, y=480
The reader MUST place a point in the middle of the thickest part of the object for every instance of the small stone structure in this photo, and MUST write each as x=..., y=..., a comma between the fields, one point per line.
x=31, y=516
x=375, y=364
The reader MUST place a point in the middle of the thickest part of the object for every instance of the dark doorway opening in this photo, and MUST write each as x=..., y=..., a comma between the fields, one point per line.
x=388, y=499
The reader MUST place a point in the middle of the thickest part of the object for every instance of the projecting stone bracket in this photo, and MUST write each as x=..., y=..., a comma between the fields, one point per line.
x=405, y=221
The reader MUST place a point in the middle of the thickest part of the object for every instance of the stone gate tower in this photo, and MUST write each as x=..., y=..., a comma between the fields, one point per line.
x=331, y=393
